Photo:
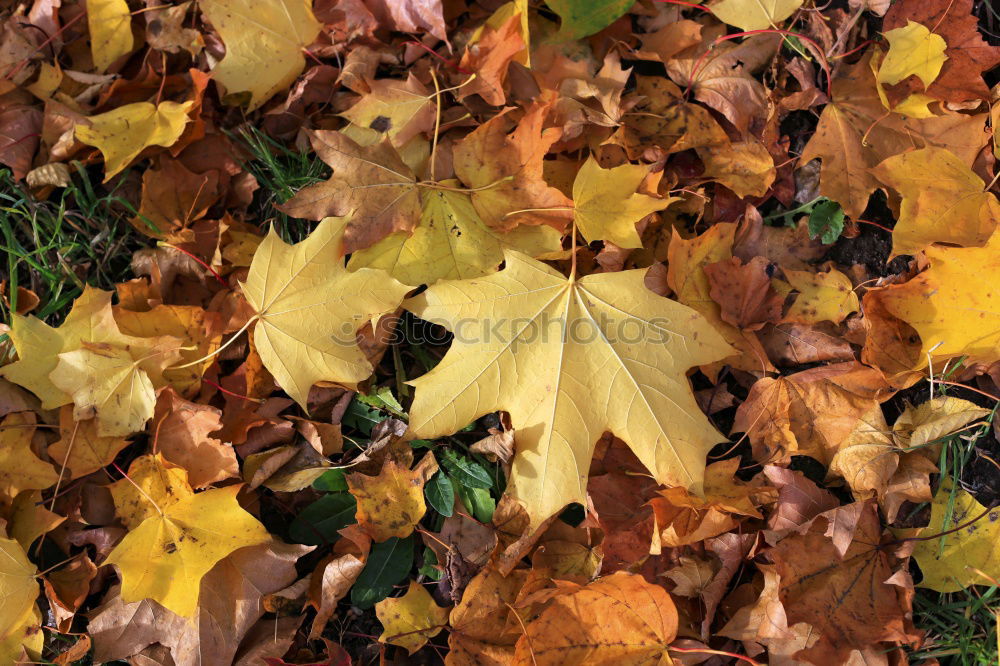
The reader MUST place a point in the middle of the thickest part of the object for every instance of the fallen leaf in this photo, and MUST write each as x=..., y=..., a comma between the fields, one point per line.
x=117, y=384
x=964, y=557
x=166, y=556
x=110, y=25
x=810, y=412
x=18, y=612
x=486, y=604
x=581, y=18
x=229, y=603
x=846, y=598
x=754, y=15
x=935, y=419
x=744, y=293
x=20, y=468
x=451, y=242
x=182, y=435
x=80, y=450
x=606, y=205
x=953, y=315
x=411, y=620
x=370, y=184
x=392, y=503
x=260, y=61
x=686, y=275
x=547, y=473
x=968, y=55
x=399, y=110
x=723, y=78
x=505, y=171
x=309, y=309
x=855, y=133
x=825, y=296
x=913, y=51
x=745, y=167
x=122, y=133
x=663, y=117
x=489, y=58
x=618, y=619
x=414, y=16
x=944, y=201
x=39, y=345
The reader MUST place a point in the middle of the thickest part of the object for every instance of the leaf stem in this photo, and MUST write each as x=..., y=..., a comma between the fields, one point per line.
x=223, y=346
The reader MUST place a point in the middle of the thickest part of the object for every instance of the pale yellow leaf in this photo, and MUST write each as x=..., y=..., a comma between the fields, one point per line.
x=309, y=309
x=569, y=359
x=122, y=133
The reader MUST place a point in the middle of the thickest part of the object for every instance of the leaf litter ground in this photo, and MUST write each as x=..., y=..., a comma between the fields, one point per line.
x=601, y=351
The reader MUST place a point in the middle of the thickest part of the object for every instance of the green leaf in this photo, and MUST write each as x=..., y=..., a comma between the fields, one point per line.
x=388, y=563
x=331, y=482
x=429, y=568
x=826, y=222
x=318, y=523
x=464, y=471
x=581, y=18
x=360, y=416
x=440, y=494
x=479, y=502
x=383, y=399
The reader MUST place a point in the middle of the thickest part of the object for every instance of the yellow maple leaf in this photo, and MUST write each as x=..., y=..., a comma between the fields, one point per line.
x=411, y=620
x=569, y=359
x=754, y=14
x=110, y=26
x=18, y=612
x=606, y=205
x=954, y=314
x=20, y=468
x=966, y=554
x=913, y=51
x=168, y=554
x=825, y=296
x=309, y=309
x=264, y=42
x=39, y=345
x=451, y=242
x=117, y=383
x=122, y=133
x=153, y=485
x=392, y=503
x=944, y=201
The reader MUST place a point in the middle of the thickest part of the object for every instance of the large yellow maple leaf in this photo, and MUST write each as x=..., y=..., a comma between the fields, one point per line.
x=265, y=41
x=954, y=305
x=168, y=554
x=569, y=358
x=309, y=309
